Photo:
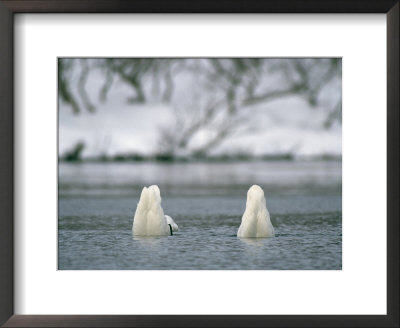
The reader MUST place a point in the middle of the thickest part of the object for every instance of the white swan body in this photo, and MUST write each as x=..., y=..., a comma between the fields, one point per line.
x=256, y=222
x=172, y=223
x=149, y=219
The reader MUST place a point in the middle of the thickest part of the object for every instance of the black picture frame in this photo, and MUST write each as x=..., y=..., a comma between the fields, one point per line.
x=11, y=7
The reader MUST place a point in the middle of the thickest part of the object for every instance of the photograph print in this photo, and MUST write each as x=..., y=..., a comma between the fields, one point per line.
x=199, y=163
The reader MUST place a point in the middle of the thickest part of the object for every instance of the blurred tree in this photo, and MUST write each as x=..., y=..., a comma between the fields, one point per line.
x=220, y=91
x=75, y=153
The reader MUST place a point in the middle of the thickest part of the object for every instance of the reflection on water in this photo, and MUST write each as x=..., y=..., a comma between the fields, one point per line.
x=254, y=242
x=148, y=240
x=200, y=178
x=97, y=204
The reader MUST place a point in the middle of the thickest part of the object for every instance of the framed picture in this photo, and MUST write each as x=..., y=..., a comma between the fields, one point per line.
x=195, y=138
x=160, y=169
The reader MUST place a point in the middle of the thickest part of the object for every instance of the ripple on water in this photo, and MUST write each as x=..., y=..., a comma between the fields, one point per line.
x=95, y=233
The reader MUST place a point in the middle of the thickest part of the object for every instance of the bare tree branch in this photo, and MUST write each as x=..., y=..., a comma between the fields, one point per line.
x=82, y=84
x=226, y=87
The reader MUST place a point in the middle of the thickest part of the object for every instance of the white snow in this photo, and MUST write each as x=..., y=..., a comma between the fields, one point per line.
x=123, y=129
x=282, y=126
x=135, y=129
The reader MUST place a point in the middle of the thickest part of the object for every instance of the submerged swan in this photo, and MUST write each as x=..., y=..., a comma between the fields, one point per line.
x=255, y=220
x=149, y=219
x=172, y=223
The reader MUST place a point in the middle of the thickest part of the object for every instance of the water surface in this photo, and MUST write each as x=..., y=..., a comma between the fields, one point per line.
x=97, y=202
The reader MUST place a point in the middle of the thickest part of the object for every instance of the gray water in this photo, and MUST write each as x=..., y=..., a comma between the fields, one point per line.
x=97, y=202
